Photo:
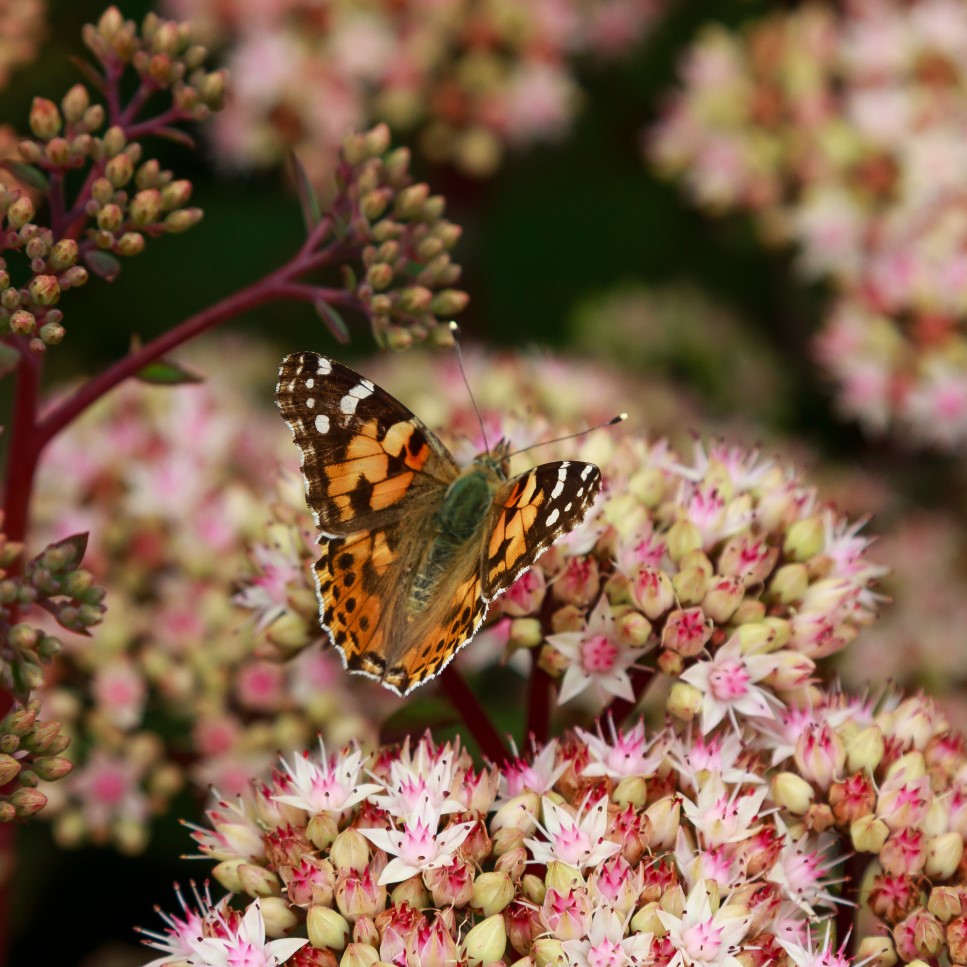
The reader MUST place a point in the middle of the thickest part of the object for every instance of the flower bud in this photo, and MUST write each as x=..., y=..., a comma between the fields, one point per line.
x=52, y=768
x=943, y=856
x=562, y=878
x=664, y=815
x=487, y=941
x=792, y=793
x=412, y=891
x=279, y=918
x=130, y=243
x=145, y=207
x=74, y=103
x=350, y=851
x=820, y=755
x=449, y=302
x=865, y=749
x=722, y=598
x=380, y=275
x=22, y=322
x=652, y=592
x=359, y=955
x=9, y=768
x=868, y=834
x=20, y=212
x=683, y=537
x=877, y=952
x=114, y=141
x=532, y=888
x=175, y=194
x=790, y=583
x=409, y=202
x=182, y=219
x=45, y=120
x=631, y=790
x=690, y=584
x=27, y=802
x=63, y=254
x=326, y=928
x=805, y=539
x=684, y=701
x=956, y=937
x=646, y=920
x=518, y=813
x=257, y=881
x=548, y=952
x=945, y=903
x=492, y=892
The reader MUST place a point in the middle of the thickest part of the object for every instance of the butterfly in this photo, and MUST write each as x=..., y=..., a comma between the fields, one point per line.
x=414, y=548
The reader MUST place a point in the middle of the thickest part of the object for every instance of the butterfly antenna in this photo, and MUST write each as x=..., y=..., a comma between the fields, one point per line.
x=455, y=332
x=620, y=418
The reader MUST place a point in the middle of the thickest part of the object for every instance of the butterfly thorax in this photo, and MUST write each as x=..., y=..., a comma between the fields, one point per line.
x=459, y=522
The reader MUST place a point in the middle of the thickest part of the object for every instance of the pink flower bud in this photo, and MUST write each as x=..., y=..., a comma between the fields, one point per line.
x=852, y=798
x=904, y=852
x=686, y=632
x=45, y=119
x=567, y=916
x=451, y=885
x=820, y=755
x=919, y=935
x=722, y=598
x=357, y=894
x=956, y=937
x=524, y=924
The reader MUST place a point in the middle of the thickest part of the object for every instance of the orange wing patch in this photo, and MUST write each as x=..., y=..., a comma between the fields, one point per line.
x=351, y=602
x=435, y=646
x=508, y=541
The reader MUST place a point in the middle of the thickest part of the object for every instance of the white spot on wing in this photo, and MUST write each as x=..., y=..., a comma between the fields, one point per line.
x=348, y=404
x=586, y=472
x=310, y=383
x=325, y=367
x=310, y=402
x=552, y=517
x=322, y=423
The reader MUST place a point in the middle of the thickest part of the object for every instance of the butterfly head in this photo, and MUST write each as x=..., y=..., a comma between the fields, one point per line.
x=496, y=460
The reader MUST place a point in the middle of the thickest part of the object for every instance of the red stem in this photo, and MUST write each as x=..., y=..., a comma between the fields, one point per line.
x=472, y=712
x=24, y=450
x=272, y=286
x=538, y=702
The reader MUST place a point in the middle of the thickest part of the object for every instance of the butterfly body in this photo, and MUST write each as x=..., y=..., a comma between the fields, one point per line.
x=413, y=547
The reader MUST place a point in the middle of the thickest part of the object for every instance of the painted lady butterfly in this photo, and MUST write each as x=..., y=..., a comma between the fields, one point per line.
x=413, y=547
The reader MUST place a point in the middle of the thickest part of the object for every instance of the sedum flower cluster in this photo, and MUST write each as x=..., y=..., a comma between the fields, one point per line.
x=173, y=483
x=688, y=846
x=124, y=197
x=839, y=128
x=473, y=79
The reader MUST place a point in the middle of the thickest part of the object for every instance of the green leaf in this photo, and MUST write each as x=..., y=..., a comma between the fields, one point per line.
x=103, y=264
x=28, y=174
x=164, y=372
x=332, y=318
x=73, y=549
x=308, y=200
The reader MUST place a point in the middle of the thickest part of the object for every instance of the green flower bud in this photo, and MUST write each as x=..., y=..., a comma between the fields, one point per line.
x=45, y=119
x=683, y=536
x=212, y=89
x=63, y=255
x=30, y=151
x=183, y=219
x=58, y=152
x=22, y=322
x=449, y=302
x=684, y=701
x=378, y=140
x=52, y=768
x=359, y=955
x=175, y=194
x=257, y=881
x=109, y=218
x=409, y=202
x=75, y=102
x=114, y=141
x=9, y=768
x=145, y=207
x=374, y=203
x=415, y=298
x=492, y=892
x=20, y=212
x=102, y=191
x=94, y=117
x=380, y=275
x=130, y=243
x=805, y=539
x=119, y=170
x=326, y=928
x=350, y=851
x=487, y=941
x=44, y=289
x=75, y=276
x=27, y=802
x=10, y=298
x=548, y=952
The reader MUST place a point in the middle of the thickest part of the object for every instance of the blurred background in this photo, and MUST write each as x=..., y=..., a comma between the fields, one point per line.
x=747, y=219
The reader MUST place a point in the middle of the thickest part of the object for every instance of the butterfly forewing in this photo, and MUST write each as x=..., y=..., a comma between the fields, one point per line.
x=530, y=513
x=367, y=460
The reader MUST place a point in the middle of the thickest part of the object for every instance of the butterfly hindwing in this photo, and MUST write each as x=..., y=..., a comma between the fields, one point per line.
x=366, y=458
x=530, y=513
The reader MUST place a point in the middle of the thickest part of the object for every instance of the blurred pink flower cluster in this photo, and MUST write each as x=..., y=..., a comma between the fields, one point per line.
x=173, y=485
x=21, y=30
x=473, y=77
x=841, y=128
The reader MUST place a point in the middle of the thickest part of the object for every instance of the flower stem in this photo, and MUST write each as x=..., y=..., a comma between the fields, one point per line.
x=24, y=450
x=538, y=703
x=472, y=712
